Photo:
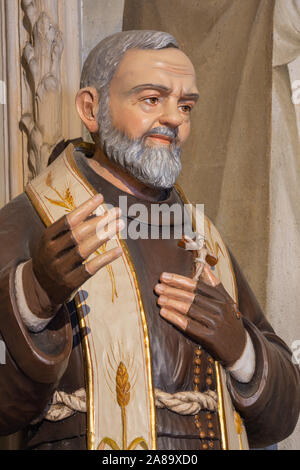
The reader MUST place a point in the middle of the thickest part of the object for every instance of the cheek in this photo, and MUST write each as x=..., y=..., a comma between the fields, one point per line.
x=132, y=122
x=184, y=132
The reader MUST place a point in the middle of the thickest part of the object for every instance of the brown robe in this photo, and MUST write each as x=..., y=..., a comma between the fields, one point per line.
x=39, y=363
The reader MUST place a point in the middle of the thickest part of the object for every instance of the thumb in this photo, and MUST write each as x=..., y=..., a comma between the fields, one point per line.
x=208, y=277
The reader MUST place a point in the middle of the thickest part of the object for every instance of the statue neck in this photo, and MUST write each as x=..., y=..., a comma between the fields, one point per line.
x=113, y=173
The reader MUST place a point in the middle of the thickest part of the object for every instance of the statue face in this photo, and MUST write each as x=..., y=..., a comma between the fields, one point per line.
x=152, y=89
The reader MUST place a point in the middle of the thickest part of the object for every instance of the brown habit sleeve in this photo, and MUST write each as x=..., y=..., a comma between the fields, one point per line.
x=270, y=402
x=34, y=362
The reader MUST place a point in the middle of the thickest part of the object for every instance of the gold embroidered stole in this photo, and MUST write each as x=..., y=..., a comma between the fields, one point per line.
x=120, y=395
x=120, y=403
x=233, y=433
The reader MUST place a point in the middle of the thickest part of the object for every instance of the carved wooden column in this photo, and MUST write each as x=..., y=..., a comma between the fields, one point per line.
x=43, y=62
x=12, y=109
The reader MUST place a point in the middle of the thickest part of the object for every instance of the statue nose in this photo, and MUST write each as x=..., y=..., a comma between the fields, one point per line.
x=171, y=116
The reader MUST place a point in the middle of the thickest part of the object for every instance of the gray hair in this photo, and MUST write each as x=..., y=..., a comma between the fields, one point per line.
x=104, y=59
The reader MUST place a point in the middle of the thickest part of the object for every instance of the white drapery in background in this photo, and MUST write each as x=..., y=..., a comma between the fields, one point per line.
x=283, y=297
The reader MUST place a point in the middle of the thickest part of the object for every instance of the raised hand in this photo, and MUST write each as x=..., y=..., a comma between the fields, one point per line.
x=59, y=263
x=205, y=313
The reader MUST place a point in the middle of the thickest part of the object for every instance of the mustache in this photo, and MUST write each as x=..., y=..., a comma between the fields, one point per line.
x=164, y=131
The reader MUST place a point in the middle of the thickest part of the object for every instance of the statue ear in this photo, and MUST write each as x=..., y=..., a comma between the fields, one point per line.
x=87, y=105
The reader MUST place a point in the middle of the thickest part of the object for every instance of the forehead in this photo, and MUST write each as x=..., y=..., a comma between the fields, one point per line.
x=144, y=66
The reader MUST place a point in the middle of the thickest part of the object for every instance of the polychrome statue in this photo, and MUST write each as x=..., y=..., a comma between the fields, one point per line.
x=118, y=336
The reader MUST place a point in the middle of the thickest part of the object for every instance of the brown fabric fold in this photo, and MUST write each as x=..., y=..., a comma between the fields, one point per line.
x=42, y=357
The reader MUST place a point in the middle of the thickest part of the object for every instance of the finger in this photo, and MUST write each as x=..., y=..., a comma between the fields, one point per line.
x=91, y=244
x=201, y=316
x=175, y=318
x=62, y=243
x=79, y=214
x=208, y=277
x=198, y=332
x=178, y=294
x=69, y=260
x=209, y=291
x=173, y=304
x=82, y=273
x=75, y=278
x=64, y=223
x=208, y=304
x=102, y=260
x=91, y=226
x=193, y=329
x=178, y=281
x=57, y=229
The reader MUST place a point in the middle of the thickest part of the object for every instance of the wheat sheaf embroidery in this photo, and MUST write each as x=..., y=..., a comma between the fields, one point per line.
x=123, y=389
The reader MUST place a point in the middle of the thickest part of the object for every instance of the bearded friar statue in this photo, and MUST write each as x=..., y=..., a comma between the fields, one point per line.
x=126, y=321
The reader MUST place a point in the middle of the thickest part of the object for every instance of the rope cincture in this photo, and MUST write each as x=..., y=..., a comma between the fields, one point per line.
x=65, y=404
x=188, y=402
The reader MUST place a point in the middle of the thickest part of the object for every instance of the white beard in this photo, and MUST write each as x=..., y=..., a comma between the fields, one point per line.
x=158, y=167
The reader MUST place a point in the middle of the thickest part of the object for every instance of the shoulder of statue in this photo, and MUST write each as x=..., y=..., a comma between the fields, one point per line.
x=78, y=144
x=60, y=187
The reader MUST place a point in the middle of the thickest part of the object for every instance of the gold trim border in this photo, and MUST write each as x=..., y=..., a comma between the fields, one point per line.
x=221, y=408
x=88, y=374
x=221, y=405
x=68, y=156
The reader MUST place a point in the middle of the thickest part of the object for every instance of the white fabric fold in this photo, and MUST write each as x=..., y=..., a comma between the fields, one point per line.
x=31, y=321
x=243, y=369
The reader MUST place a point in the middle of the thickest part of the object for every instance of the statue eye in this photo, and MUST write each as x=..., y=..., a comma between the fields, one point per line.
x=152, y=100
x=186, y=108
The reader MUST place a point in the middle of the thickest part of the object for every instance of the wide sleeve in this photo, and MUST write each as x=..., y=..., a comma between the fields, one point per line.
x=33, y=362
x=270, y=402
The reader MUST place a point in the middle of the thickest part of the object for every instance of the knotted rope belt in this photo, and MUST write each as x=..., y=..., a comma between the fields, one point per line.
x=65, y=404
x=186, y=403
